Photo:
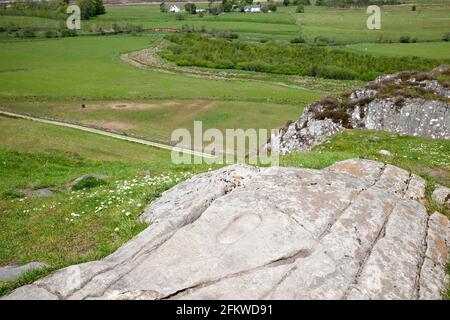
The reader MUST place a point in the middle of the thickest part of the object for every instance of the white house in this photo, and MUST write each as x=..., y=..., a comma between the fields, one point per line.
x=174, y=8
x=252, y=9
x=200, y=10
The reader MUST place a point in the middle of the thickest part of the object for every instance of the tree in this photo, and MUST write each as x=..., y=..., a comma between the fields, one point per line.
x=162, y=7
x=272, y=6
x=193, y=9
x=227, y=5
x=87, y=9
x=99, y=7
x=286, y=3
x=190, y=8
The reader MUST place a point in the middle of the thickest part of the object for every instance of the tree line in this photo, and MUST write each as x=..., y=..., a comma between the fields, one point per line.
x=204, y=50
x=52, y=9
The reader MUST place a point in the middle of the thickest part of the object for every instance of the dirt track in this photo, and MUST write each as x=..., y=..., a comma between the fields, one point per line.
x=108, y=134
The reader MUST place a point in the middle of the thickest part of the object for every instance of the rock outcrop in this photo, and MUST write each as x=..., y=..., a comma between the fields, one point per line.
x=11, y=273
x=406, y=103
x=441, y=195
x=355, y=230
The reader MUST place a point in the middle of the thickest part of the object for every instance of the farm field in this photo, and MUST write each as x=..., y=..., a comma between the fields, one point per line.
x=430, y=50
x=55, y=77
x=156, y=119
x=428, y=23
x=90, y=67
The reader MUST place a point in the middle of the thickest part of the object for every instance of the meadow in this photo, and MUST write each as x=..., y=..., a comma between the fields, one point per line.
x=156, y=119
x=428, y=23
x=90, y=67
x=429, y=50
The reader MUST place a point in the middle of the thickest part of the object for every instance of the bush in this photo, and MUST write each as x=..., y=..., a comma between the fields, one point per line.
x=286, y=3
x=299, y=39
x=88, y=183
x=180, y=16
x=51, y=34
x=216, y=9
x=405, y=39
x=162, y=7
x=446, y=36
x=190, y=8
x=28, y=32
x=272, y=6
x=67, y=33
x=12, y=195
x=320, y=40
x=300, y=9
x=216, y=51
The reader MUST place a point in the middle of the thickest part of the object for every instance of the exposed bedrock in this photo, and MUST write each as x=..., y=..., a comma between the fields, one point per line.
x=355, y=230
x=405, y=103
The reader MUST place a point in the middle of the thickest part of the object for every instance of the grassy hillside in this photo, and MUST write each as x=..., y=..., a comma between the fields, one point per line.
x=72, y=227
x=90, y=68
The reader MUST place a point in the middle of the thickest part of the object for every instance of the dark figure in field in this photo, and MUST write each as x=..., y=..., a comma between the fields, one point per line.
x=83, y=106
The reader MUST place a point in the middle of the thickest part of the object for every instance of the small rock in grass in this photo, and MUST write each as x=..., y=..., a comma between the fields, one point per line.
x=441, y=195
x=38, y=192
x=385, y=153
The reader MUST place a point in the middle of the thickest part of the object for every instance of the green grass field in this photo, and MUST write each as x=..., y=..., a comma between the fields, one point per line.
x=34, y=155
x=54, y=77
x=428, y=23
x=431, y=50
x=156, y=119
x=90, y=68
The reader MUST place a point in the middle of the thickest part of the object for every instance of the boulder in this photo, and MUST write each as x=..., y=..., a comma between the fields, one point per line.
x=355, y=230
x=441, y=195
x=45, y=192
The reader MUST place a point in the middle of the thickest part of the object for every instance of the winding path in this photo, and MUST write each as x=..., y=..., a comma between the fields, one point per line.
x=108, y=134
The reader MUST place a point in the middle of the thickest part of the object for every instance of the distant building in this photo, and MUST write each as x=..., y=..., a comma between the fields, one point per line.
x=252, y=9
x=174, y=8
x=200, y=10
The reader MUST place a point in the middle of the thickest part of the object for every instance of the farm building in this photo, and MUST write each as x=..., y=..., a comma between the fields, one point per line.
x=252, y=9
x=174, y=8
